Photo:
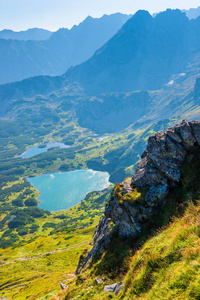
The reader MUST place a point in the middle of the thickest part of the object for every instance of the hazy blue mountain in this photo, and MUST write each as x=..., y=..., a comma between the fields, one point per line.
x=112, y=112
x=35, y=34
x=65, y=48
x=144, y=53
x=192, y=13
x=108, y=112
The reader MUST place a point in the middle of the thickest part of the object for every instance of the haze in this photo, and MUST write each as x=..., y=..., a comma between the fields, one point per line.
x=54, y=14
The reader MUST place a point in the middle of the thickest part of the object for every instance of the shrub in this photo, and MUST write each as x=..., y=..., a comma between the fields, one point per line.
x=23, y=231
x=33, y=228
x=18, y=202
x=31, y=202
x=17, y=222
x=49, y=225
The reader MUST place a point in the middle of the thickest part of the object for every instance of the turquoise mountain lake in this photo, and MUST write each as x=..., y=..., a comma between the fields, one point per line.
x=60, y=191
x=32, y=151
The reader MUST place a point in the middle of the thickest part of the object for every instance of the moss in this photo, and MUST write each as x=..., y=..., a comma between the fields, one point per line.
x=133, y=197
x=127, y=179
x=117, y=188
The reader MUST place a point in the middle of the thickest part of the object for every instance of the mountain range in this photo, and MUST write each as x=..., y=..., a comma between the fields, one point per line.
x=34, y=34
x=20, y=59
x=143, y=55
x=158, y=54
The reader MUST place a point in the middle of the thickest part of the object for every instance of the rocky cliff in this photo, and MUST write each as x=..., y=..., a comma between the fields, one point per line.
x=133, y=202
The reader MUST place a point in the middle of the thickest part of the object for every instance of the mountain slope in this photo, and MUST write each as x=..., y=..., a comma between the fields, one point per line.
x=161, y=261
x=142, y=55
x=133, y=202
x=23, y=59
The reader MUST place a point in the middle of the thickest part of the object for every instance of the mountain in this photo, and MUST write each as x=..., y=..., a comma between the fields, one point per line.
x=192, y=13
x=143, y=55
x=113, y=112
x=146, y=54
x=34, y=34
x=64, y=48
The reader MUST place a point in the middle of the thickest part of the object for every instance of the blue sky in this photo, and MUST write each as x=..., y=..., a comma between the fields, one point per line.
x=54, y=14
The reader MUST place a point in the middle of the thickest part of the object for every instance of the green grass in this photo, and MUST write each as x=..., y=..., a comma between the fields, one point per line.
x=164, y=262
x=168, y=265
x=54, y=250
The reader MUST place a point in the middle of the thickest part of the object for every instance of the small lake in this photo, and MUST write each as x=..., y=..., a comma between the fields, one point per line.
x=34, y=150
x=63, y=190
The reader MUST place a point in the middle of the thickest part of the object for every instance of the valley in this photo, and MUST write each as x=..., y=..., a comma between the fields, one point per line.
x=70, y=144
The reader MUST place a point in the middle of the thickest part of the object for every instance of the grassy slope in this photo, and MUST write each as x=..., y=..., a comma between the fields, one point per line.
x=164, y=263
x=54, y=250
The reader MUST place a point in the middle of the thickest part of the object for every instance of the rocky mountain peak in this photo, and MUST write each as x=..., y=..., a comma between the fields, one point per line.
x=133, y=202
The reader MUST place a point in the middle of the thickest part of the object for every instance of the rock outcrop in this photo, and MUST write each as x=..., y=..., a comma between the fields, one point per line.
x=132, y=202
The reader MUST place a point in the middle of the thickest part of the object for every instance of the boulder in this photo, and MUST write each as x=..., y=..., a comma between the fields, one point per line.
x=99, y=280
x=110, y=288
x=118, y=288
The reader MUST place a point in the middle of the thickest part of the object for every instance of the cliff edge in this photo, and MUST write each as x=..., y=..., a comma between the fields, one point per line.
x=133, y=202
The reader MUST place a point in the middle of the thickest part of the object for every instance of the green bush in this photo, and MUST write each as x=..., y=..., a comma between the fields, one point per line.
x=33, y=228
x=18, y=202
x=17, y=222
x=31, y=202
x=49, y=225
x=23, y=231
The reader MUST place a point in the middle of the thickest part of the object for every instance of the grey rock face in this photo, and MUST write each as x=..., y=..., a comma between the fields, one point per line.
x=156, y=194
x=101, y=238
x=133, y=202
x=185, y=131
x=195, y=125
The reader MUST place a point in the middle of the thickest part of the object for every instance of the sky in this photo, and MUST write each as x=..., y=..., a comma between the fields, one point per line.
x=54, y=14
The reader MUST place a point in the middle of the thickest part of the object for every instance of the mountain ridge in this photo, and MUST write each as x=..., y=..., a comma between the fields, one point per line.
x=143, y=55
x=36, y=34
x=64, y=48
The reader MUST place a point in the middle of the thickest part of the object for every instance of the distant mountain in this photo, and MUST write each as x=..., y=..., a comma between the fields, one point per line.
x=65, y=48
x=34, y=34
x=143, y=55
x=112, y=112
x=146, y=54
x=192, y=13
